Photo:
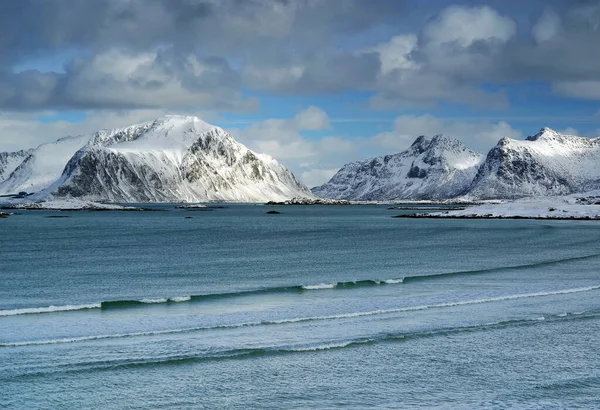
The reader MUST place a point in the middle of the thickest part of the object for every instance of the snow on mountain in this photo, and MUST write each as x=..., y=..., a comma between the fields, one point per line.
x=173, y=158
x=43, y=166
x=432, y=168
x=548, y=163
x=9, y=161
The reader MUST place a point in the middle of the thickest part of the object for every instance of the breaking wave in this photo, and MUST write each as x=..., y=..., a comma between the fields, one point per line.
x=298, y=289
x=321, y=318
x=48, y=309
x=120, y=304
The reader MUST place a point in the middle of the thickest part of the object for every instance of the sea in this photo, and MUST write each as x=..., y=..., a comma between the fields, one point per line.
x=317, y=307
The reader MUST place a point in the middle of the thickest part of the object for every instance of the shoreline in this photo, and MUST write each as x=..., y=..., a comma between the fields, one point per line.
x=538, y=218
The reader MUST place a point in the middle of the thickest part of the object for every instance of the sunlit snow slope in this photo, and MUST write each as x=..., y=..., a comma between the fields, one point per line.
x=548, y=163
x=432, y=168
x=173, y=158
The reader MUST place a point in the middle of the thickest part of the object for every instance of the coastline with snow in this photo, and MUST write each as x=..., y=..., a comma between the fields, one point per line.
x=67, y=205
x=572, y=207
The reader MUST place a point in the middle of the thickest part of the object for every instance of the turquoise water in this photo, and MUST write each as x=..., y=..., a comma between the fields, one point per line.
x=318, y=307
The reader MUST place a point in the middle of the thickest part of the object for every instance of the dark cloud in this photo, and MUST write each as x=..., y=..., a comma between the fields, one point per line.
x=121, y=80
x=203, y=53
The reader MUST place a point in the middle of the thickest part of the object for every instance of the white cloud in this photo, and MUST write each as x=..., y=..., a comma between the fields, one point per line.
x=156, y=78
x=466, y=25
x=479, y=136
x=317, y=177
x=444, y=64
x=312, y=118
x=569, y=131
x=395, y=54
x=312, y=160
x=547, y=27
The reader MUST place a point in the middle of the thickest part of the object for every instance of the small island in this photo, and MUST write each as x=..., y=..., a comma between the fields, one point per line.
x=311, y=201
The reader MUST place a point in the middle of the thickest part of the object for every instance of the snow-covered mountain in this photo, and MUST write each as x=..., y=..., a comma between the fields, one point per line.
x=43, y=165
x=173, y=158
x=9, y=161
x=548, y=163
x=432, y=168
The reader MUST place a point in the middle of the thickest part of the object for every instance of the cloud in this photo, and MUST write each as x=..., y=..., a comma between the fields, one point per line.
x=589, y=90
x=445, y=62
x=547, y=27
x=317, y=176
x=207, y=54
x=118, y=79
x=315, y=160
x=395, y=54
x=25, y=130
x=283, y=139
x=466, y=25
x=480, y=136
x=569, y=131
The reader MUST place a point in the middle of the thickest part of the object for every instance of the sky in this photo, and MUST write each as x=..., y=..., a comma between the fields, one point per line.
x=314, y=83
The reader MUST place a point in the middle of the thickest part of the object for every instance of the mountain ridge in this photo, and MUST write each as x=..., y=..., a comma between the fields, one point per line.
x=431, y=168
x=171, y=159
x=547, y=163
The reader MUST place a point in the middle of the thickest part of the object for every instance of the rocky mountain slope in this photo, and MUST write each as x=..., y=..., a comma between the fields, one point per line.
x=548, y=163
x=171, y=159
x=432, y=168
x=9, y=161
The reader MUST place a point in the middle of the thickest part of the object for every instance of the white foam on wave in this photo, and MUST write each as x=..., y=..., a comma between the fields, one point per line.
x=313, y=318
x=438, y=305
x=330, y=346
x=65, y=308
x=180, y=299
x=48, y=309
x=155, y=300
x=320, y=286
x=393, y=281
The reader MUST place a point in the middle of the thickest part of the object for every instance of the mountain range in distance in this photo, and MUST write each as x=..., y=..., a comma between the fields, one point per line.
x=545, y=164
x=184, y=159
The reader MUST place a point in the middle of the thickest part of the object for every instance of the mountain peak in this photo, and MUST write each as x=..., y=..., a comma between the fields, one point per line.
x=176, y=120
x=543, y=133
x=172, y=158
x=421, y=144
x=433, y=167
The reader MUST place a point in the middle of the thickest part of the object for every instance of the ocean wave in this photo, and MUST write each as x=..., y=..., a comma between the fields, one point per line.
x=348, y=315
x=295, y=289
x=320, y=286
x=243, y=353
x=417, y=278
x=127, y=303
x=48, y=309
x=181, y=299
